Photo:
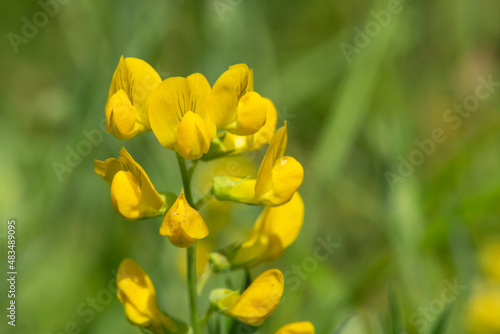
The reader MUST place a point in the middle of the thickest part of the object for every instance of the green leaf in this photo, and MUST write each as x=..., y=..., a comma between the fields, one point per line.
x=343, y=325
x=395, y=313
x=440, y=326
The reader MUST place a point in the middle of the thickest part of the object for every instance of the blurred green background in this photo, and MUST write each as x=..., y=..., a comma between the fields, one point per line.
x=351, y=119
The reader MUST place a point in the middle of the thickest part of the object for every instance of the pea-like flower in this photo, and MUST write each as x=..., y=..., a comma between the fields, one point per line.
x=179, y=115
x=303, y=327
x=138, y=297
x=278, y=178
x=182, y=224
x=256, y=303
x=276, y=229
x=132, y=193
x=229, y=144
x=128, y=98
x=233, y=104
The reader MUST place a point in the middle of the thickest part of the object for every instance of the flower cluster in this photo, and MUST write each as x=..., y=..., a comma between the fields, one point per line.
x=203, y=122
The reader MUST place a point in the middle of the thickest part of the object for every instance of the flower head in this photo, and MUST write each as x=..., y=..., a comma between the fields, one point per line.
x=303, y=327
x=233, y=104
x=278, y=178
x=182, y=224
x=179, y=117
x=132, y=194
x=138, y=297
x=128, y=98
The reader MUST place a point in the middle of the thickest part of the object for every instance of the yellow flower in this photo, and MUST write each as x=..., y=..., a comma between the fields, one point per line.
x=278, y=178
x=138, y=297
x=489, y=257
x=228, y=144
x=304, y=327
x=256, y=303
x=483, y=312
x=127, y=105
x=182, y=224
x=233, y=104
x=179, y=115
x=132, y=194
x=276, y=229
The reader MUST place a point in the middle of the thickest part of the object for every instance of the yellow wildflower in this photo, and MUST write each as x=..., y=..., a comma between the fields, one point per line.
x=303, y=327
x=278, y=178
x=229, y=144
x=127, y=104
x=138, y=297
x=132, y=194
x=233, y=104
x=182, y=224
x=258, y=301
x=179, y=115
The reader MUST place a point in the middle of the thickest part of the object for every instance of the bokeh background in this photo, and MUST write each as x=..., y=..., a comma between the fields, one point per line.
x=403, y=232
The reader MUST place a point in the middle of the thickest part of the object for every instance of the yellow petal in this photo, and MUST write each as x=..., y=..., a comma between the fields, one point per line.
x=108, y=168
x=132, y=193
x=251, y=114
x=121, y=116
x=226, y=92
x=136, y=293
x=172, y=100
x=304, y=327
x=287, y=176
x=193, y=137
x=126, y=195
x=260, y=299
x=138, y=297
x=127, y=105
x=264, y=135
x=235, y=144
x=275, y=151
x=182, y=224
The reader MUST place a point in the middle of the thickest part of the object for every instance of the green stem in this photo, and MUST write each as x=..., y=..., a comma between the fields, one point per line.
x=206, y=317
x=193, y=296
x=190, y=251
x=202, y=201
x=204, y=278
x=186, y=179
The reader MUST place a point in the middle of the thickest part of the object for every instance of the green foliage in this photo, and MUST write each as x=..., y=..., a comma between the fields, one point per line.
x=349, y=122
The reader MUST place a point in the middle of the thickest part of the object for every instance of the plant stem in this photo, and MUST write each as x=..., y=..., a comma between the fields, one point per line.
x=206, y=317
x=204, y=278
x=202, y=201
x=186, y=179
x=190, y=251
x=193, y=296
